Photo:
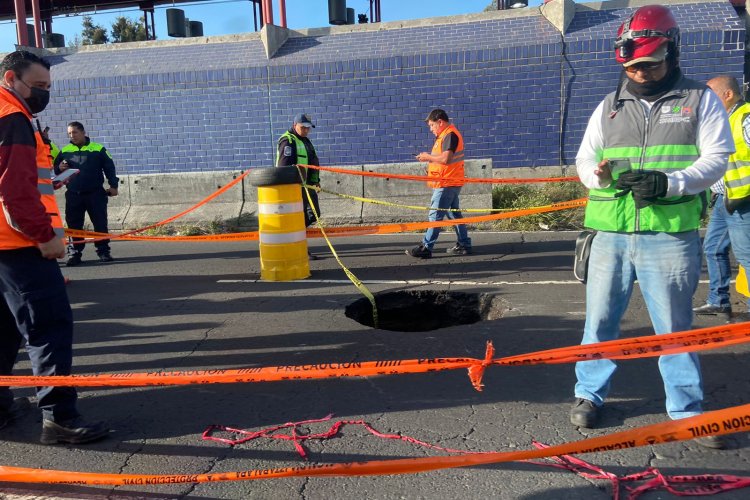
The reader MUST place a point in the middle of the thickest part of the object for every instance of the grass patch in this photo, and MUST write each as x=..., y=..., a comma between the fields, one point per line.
x=245, y=222
x=520, y=196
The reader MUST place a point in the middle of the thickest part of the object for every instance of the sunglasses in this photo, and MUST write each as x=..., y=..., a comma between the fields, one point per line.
x=645, y=66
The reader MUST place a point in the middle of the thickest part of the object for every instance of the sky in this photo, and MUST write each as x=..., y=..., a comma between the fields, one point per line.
x=225, y=17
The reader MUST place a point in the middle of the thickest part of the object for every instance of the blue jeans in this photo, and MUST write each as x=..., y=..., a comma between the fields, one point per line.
x=716, y=247
x=724, y=232
x=446, y=197
x=667, y=267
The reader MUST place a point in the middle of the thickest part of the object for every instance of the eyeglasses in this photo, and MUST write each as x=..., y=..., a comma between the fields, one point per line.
x=644, y=66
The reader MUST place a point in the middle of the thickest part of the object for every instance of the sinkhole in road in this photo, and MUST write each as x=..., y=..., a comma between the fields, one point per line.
x=425, y=310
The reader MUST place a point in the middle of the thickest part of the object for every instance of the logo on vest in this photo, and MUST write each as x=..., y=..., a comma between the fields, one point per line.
x=675, y=114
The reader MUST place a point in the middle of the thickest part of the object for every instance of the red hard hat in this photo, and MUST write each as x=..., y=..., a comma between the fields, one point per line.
x=646, y=35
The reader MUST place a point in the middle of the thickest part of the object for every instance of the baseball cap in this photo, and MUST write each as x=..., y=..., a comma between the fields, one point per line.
x=656, y=56
x=304, y=120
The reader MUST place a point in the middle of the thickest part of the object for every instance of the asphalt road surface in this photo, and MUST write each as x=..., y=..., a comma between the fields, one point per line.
x=176, y=306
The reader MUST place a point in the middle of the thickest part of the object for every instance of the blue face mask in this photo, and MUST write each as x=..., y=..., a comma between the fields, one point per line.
x=38, y=99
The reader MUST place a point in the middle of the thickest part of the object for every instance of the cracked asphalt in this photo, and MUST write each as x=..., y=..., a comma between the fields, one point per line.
x=174, y=306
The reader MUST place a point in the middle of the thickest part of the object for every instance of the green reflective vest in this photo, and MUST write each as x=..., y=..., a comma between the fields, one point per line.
x=664, y=139
x=53, y=150
x=737, y=176
x=311, y=176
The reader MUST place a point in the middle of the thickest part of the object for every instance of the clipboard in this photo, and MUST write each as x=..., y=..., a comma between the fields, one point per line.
x=64, y=177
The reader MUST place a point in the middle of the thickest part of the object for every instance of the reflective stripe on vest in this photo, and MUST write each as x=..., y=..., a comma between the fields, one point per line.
x=300, y=148
x=90, y=147
x=451, y=174
x=10, y=235
x=669, y=135
x=737, y=176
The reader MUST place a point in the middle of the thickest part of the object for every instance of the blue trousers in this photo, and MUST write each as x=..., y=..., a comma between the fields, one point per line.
x=77, y=205
x=724, y=232
x=446, y=197
x=35, y=310
x=667, y=267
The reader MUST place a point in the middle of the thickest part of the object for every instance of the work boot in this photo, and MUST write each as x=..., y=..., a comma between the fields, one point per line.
x=459, y=250
x=74, y=431
x=18, y=409
x=105, y=257
x=584, y=413
x=420, y=252
x=74, y=260
x=713, y=442
x=712, y=309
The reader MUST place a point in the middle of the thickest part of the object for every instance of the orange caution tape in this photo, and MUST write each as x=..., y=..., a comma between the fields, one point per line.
x=249, y=236
x=468, y=180
x=333, y=232
x=215, y=194
x=416, y=226
x=94, y=236
x=638, y=347
x=727, y=421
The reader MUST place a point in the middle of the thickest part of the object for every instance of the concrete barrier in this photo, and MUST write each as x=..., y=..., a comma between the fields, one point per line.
x=145, y=199
x=342, y=211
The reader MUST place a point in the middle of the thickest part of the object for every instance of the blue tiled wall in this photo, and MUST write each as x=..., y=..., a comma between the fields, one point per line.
x=519, y=93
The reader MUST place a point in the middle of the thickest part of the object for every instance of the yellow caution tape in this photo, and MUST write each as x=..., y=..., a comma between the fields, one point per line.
x=355, y=281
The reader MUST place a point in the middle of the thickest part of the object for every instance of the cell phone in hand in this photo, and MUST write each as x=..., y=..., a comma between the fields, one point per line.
x=617, y=167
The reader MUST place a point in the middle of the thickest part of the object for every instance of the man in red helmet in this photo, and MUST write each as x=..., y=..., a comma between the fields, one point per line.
x=650, y=151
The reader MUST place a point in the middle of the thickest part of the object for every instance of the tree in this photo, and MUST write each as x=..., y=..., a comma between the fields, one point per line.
x=75, y=42
x=362, y=18
x=92, y=34
x=129, y=30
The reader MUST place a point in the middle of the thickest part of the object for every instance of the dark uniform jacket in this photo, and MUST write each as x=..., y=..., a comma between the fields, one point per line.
x=94, y=162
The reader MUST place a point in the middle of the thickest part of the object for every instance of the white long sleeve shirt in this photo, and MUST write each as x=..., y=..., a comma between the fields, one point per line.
x=714, y=142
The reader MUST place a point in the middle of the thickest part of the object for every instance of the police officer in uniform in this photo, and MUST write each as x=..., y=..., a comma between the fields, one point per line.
x=85, y=193
x=294, y=147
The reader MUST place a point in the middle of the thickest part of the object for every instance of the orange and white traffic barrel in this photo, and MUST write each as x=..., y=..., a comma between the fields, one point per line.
x=281, y=224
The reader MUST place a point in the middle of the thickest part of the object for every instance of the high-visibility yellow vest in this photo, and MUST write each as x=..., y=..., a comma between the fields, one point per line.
x=662, y=139
x=311, y=176
x=737, y=176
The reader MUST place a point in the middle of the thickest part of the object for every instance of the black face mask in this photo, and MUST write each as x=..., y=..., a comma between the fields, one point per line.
x=38, y=99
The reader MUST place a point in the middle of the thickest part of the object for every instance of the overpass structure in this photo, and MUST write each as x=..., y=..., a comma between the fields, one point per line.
x=43, y=11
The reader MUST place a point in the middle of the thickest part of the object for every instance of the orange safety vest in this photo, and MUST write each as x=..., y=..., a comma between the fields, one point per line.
x=451, y=174
x=10, y=236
